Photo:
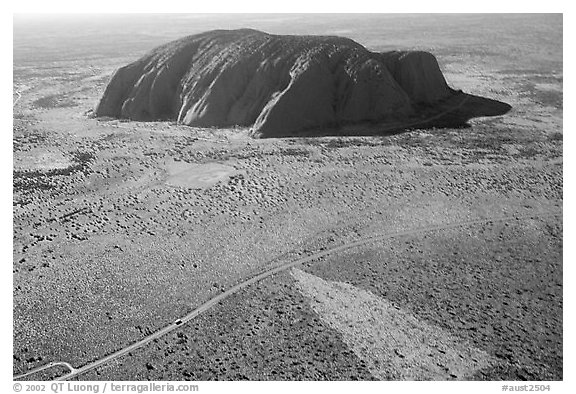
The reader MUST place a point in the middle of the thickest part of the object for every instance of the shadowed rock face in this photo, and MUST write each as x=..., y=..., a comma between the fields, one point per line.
x=277, y=85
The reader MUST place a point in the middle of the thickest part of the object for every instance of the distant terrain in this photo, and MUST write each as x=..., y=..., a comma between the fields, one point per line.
x=434, y=253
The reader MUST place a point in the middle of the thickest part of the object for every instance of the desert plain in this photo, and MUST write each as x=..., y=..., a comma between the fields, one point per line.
x=427, y=254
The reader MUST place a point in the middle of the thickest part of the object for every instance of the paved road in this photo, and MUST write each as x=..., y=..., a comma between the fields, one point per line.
x=44, y=367
x=17, y=99
x=214, y=301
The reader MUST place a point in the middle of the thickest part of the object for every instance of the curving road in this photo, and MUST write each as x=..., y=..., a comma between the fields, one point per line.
x=214, y=301
x=44, y=367
x=17, y=99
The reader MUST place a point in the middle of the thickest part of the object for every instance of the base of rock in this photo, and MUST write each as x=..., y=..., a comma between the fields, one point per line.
x=278, y=85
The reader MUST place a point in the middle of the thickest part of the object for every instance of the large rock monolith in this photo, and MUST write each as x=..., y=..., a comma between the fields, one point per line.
x=276, y=85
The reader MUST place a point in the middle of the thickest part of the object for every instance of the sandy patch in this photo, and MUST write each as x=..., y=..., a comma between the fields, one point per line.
x=394, y=343
x=41, y=159
x=197, y=176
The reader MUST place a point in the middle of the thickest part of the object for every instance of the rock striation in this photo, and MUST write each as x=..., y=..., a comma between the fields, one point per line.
x=276, y=85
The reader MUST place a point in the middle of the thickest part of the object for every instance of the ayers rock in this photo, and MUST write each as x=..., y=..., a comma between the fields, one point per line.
x=276, y=85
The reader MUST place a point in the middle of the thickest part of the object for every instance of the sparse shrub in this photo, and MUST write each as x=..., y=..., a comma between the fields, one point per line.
x=556, y=136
